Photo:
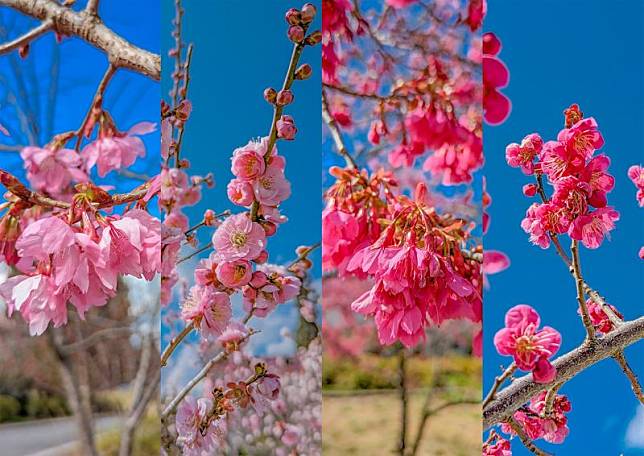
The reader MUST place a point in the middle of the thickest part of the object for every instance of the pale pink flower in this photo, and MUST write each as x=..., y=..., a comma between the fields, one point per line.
x=239, y=238
x=529, y=346
x=44, y=237
x=286, y=128
x=150, y=236
x=248, y=161
x=234, y=274
x=234, y=334
x=240, y=192
x=271, y=188
x=117, y=151
x=208, y=309
x=194, y=437
x=52, y=170
x=591, y=228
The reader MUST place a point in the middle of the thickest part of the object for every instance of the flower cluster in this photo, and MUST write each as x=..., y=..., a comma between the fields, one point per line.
x=578, y=205
x=412, y=254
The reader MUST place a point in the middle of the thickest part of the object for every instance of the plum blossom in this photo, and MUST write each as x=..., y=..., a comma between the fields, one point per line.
x=198, y=434
x=209, y=310
x=529, y=346
x=239, y=238
x=636, y=174
x=51, y=169
x=591, y=229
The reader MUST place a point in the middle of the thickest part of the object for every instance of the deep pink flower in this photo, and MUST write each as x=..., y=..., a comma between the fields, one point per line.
x=582, y=139
x=542, y=219
x=496, y=106
x=636, y=174
x=591, y=228
x=522, y=155
x=248, y=161
x=500, y=447
x=234, y=274
x=598, y=180
x=571, y=194
x=476, y=10
x=599, y=318
x=527, y=344
x=116, y=150
x=400, y=3
x=341, y=233
x=52, y=170
x=239, y=238
x=558, y=161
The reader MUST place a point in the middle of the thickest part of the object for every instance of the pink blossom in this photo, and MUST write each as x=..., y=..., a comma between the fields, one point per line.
x=286, y=128
x=271, y=188
x=523, y=155
x=599, y=318
x=52, y=170
x=500, y=447
x=571, y=194
x=248, y=161
x=116, y=150
x=266, y=291
x=558, y=161
x=529, y=346
x=591, y=228
x=239, y=238
x=543, y=219
x=240, y=192
x=496, y=106
x=599, y=181
x=341, y=233
x=234, y=334
x=9, y=232
x=636, y=174
x=582, y=139
x=400, y=3
x=208, y=309
x=234, y=274
x=197, y=434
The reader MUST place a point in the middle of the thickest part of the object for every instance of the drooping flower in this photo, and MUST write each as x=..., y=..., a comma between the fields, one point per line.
x=495, y=76
x=51, y=169
x=239, y=238
x=529, y=346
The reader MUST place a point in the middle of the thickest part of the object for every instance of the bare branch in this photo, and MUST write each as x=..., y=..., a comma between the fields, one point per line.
x=95, y=338
x=520, y=391
x=25, y=39
x=335, y=133
x=635, y=384
x=91, y=29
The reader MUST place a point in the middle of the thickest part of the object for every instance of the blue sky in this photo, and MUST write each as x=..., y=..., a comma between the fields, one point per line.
x=591, y=53
x=130, y=97
x=233, y=62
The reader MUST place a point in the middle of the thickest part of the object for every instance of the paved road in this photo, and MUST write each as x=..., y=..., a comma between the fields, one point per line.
x=36, y=437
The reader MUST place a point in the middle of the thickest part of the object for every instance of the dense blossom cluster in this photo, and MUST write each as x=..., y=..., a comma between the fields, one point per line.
x=580, y=180
x=420, y=276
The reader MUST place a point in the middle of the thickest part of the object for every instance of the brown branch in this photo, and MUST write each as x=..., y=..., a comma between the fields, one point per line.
x=92, y=7
x=25, y=39
x=581, y=299
x=91, y=29
x=174, y=343
x=509, y=399
x=96, y=101
x=498, y=381
x=635, y=384
x=335, y=133
x=404, y=401
x=94, y=338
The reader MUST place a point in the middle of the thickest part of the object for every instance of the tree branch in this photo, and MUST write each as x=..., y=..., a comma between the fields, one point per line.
x=335, y=133
x=520, y=391
x=25, y=39
x=90, y=28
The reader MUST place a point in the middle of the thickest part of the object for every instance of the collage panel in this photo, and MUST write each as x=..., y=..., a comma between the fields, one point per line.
x=241, y=359
x=79, y=238
x=402, y=228
x=565, y=217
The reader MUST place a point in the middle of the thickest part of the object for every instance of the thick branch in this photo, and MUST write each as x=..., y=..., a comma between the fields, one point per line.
x=520, y=391
x=88, y=27
x=27, y=37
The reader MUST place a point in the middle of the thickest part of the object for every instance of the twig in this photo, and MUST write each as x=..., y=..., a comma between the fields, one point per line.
x=196, y=252
x=509, y=399
x=92, y=7
x=635, y=384
x=581, y=299
x=498, y=381
x=551, y=395
x=335, y=133
x=402, y=376
x=97, y=100
x=25, y=39
x=174, y=343
x=529, y=444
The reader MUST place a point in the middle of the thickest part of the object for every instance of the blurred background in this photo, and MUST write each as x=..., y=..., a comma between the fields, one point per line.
x=105, y=363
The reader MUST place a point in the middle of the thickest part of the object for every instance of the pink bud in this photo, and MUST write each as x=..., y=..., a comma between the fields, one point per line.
x=284, y=97
x=303, y=72
x=293, y=16
x=209, y=217
x=314, y=38
x=262, y=258
x=286, y=128
x=269, y=228
x=529, y=190
x=295, y=33
x=308, y=13
x=270, y=94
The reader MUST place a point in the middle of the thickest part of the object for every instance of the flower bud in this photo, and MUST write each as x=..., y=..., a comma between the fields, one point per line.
x=286, y=128
x=293, y=16
x=269, y=228
x=209, y=217
x=295, y=33
x=308, y=13
x=303, y=72
x=529, y=190
x=270, y=94
x=284, y=97
x=314, y=38
x=262, y=258
x=259, y=279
